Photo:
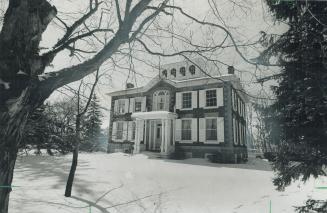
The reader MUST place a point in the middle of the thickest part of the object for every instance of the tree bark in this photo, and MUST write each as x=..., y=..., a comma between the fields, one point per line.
x=11, y=129
x=20, y=94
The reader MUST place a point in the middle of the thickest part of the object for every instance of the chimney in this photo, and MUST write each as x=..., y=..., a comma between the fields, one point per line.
x=231, y=70
x=129, y=85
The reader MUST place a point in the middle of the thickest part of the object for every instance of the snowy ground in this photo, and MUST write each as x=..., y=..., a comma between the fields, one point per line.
x=123, y=183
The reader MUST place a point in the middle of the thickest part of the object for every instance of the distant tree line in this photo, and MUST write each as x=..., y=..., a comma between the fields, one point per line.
x=52, y=127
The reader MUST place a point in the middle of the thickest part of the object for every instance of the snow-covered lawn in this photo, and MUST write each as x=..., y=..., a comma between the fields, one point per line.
x=123, y=183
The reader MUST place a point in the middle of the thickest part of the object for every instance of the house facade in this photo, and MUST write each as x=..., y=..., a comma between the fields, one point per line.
x=182, y=110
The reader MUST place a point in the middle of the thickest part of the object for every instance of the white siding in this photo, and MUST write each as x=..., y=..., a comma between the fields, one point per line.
x=178, y=104
x=114, y=131
x=194, y=99
x=143, y=107
x=178, y=130
x=194, y=129
x=125, y=129
x=202, y=98
x=131, y=105
x=202, y=130
x=220, y=129
x=220, y=96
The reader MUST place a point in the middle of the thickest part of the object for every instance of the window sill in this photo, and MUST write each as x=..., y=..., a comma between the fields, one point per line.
x=186, y=109
x=186, y=141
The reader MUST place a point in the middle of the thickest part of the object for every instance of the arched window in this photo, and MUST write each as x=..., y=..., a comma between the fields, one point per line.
x=173, y=72
x=182, y=71
x=161, y=100
x=164, y=73
x=192, y=69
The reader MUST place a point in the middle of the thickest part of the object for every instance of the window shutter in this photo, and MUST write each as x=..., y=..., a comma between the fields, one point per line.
x=194, y=99
x=178, y=103
x=131, y=105
x=114, y=131
x=130, y=130
x=143, y=106
x=125, y=127
x=220, y=129
x=116, y=107
x=178, y=130
x=140, y=129
x=194, y=129
x=202, y=130
x=220, y=97
x=202, y=98
x=126, y=105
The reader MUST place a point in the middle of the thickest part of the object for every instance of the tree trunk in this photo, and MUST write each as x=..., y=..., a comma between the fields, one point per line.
x=11, y=129
x=7, y=161
x=71, y=176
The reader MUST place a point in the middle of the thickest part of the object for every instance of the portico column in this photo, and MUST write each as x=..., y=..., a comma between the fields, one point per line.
x=162, y=147
x=167, y=137
x=139, y=128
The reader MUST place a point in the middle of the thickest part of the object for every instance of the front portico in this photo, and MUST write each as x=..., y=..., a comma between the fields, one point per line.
x=154, y=131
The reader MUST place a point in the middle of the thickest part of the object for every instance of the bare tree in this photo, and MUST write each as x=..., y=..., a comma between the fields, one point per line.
x=80, y=113
x=24, y=85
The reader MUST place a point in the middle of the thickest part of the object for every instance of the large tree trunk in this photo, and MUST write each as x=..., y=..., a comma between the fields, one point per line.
x=20, y=92
x=11, y=129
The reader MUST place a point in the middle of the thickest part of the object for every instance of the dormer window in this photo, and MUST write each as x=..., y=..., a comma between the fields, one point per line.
x=192, y=69
x=173, y=72
x=164, y=73
x=182, y=70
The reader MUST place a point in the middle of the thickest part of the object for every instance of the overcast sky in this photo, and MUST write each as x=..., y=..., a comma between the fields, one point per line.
x=245, y=24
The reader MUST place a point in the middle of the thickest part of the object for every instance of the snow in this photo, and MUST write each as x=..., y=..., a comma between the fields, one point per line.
x=124, y=183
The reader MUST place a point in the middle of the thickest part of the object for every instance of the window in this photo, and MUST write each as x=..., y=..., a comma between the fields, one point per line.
x=173, y=72
x=161, y=100
x=133, y=130
x=138, y=106
x=164, y=73
x=186, y=130
x=192, y=69
x=120, y=129
x=182, y=71
x=211, y=98
x=187, y=100
x=121, y=106
x=211, y=129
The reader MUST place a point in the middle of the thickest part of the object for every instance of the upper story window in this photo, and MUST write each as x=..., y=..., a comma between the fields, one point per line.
x=211, y=129
x=211, y=98
x=182, y=71
x=161, y=100
x=173, y=72
x=186, y=129
x=138, y=106
x=192, y=69
x=121, y=106
x=187, y=100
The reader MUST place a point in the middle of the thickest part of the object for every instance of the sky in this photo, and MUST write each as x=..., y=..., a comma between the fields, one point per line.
x=244, y=23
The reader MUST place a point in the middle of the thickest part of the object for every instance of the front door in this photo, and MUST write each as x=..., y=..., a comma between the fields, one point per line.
x=155, y=135
x=158, y=137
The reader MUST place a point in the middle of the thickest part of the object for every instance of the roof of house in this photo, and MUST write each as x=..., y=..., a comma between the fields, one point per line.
x=184, y=83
